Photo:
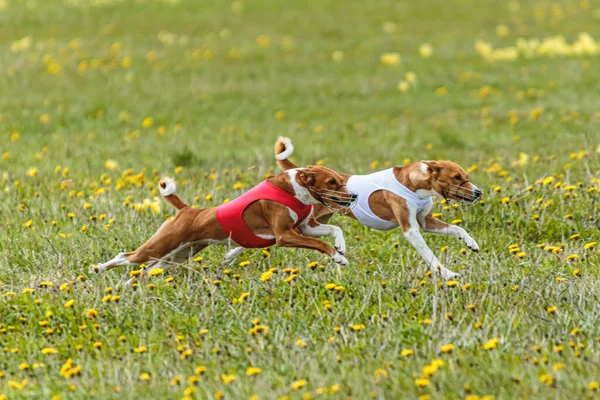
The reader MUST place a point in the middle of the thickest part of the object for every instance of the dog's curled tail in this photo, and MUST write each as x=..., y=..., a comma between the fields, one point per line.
x=167, y=189
x=283, y=150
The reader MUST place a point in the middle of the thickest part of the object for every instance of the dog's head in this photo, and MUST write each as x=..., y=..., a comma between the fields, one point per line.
x=450, y=181
x=326, y=186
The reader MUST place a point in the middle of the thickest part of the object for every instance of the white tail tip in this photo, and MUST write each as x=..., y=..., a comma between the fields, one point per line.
x=289, y=148
x=167, y=186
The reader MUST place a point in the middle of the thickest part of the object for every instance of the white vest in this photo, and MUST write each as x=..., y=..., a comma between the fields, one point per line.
x=365, y=185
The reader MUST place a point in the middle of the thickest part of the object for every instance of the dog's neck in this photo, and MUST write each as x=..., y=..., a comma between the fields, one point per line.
x=290, y=182
x=415, y=177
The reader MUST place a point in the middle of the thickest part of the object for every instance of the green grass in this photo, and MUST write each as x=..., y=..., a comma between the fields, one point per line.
x=218, y=100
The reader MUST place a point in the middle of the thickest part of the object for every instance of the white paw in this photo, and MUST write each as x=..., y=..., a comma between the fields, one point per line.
x=232, y=255
x=227, y=259
x=340, y=245
x=471, y=243
x=339, y=259
x=447, y=274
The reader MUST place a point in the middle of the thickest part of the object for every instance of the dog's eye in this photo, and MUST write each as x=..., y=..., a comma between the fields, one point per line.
x=332, y=182
x=457, y=177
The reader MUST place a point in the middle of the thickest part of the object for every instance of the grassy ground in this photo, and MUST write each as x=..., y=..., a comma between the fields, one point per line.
x=101, y=98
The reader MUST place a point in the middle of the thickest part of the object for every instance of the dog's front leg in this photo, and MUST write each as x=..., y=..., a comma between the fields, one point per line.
x=433, y=225
x=314, y=229
x=291, y=238
x=414, y=237
x=407, y=218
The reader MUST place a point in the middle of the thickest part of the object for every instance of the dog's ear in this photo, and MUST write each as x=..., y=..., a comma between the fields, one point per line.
x=307, y=177
x=432, y=168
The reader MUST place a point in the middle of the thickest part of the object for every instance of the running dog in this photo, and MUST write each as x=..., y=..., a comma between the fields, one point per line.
x=401, y=196
x=267, y=214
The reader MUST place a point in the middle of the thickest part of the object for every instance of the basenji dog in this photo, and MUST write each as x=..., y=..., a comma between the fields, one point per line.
x=277, y=211
x=401, y=196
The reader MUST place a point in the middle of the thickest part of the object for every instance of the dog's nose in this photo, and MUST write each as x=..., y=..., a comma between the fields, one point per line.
x=353, y=197
x=478, y=193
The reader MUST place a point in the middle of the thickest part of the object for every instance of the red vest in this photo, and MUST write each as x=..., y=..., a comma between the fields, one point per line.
x=229, y=214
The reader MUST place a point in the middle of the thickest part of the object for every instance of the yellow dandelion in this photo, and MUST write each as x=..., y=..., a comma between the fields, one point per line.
x=111, y=165
x=425, y=50
x=227, y=379
x=548, y=180
x=403, y=86
x=422, y=382
x=200, y=370
x=263, y=41
x=447, y=348
x=491, y=344
x=49, y=351
x=140, y=349
x=156, y=271
x=298, y=384
x=147, y=122
x=390, y=59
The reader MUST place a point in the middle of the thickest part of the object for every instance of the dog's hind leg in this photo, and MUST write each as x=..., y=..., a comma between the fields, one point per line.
x=120, y=259
x=232, y=255
x=176, y=257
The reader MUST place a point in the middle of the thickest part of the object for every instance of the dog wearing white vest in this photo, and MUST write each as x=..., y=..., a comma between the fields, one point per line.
x=402, y=197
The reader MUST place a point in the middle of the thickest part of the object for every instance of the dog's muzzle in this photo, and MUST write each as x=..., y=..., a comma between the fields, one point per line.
x=461, y=193
x=336, y=199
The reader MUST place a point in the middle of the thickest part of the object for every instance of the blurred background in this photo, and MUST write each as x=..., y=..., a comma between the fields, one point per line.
x=201, y=84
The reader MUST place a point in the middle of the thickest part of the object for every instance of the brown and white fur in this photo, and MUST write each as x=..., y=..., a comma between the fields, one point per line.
x=426, y=178
x=191, y=230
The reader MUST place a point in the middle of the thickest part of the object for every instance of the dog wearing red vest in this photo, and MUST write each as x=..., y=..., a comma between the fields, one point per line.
x=277, y=211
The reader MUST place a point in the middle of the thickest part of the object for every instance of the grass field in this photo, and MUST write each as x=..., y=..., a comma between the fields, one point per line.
x=102, y=97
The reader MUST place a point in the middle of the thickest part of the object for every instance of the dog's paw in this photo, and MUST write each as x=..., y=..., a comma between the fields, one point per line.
x=340, y=242
x=340, y=247
x=227, y=260
x=447, y=274
x=339, y=259
x=471, y=243
x=232, y=255
x=93, y=269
